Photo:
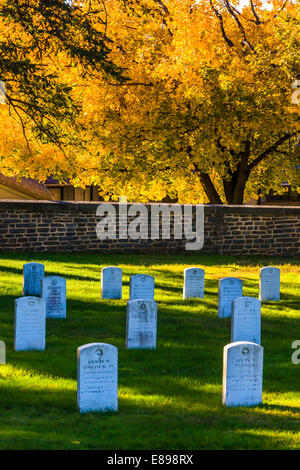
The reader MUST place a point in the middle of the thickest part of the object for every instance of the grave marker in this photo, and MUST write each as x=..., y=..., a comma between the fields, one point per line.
x=141, y=324
x=246, y=320
x=97, y=377
x=141, y=287
x=30, y=324
x=242, y=374
x=32, y=276
x=111, y=283
x=193, y=283
x=269, y=284
x=229, y=289
x=54, y=295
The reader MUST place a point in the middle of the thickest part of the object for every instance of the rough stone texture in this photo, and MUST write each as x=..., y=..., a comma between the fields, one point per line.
x=69, y=226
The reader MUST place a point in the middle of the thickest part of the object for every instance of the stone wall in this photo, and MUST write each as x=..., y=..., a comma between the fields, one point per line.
x=34, y=226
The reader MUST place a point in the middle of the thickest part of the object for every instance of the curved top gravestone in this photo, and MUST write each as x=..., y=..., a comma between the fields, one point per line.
x=32, y=276
x=242, y=374
x=141, y=324
x=54, y=294
x=193, y=283
x=97, y=377
x=229, y=289
x=141, y=287
x=246, y=320
x=30, y=324
x=269, y=283
x=111, y=282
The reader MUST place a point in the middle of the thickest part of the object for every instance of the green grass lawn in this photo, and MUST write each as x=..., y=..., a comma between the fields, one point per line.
x=169, y=398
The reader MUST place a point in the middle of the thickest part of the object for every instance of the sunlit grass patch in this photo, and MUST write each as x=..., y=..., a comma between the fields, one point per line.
x=169, y=398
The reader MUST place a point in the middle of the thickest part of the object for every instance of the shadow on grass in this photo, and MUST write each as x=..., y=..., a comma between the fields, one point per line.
x=89, y=321
x=280, y=408
x=187, y=412
x=170, y=397
x=107, y=259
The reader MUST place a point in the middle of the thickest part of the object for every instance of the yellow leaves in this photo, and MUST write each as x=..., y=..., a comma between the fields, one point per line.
x=193, y=94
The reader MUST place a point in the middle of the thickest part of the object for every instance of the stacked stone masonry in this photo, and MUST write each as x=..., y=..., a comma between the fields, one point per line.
x=36, y=226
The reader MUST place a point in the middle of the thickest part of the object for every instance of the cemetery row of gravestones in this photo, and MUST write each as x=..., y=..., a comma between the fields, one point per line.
x=43, y=297
x=97, y=363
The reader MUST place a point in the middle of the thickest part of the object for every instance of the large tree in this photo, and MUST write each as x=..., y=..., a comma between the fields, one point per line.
x=208, y=114
x=46, y=47
x=205, y=114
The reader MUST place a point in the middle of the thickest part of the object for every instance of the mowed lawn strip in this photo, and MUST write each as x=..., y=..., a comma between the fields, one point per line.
x=169, y=398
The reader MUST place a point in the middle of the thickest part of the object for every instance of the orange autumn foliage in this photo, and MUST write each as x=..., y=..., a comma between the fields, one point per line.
x=206, y=114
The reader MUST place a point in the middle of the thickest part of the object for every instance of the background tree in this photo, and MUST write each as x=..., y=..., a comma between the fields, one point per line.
x=203, y=115
x=207, y=115
x=47, y=47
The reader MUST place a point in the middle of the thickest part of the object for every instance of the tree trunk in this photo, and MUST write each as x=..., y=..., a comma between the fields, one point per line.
x=239, y=189
x=228, y=186
x=235, y=182
x=209, y=188
x=234, y=187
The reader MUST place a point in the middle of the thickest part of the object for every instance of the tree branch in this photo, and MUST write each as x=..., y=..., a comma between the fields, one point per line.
x=208, y=186
x=271, y=149
x=220, y=18
x=241, y=27
x=257, y=20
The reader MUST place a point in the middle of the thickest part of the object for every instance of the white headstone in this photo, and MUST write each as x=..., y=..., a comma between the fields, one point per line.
x=141, y=287
x=97, y=377
x=269, y=285
x=54, y=295
x=111, y=283
x=30, y=324
x=242, y=374
x=193, y=283
x=32, y=276
x=229, y=289
x=141, y=324
x=2, y=353
x=246, y=320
